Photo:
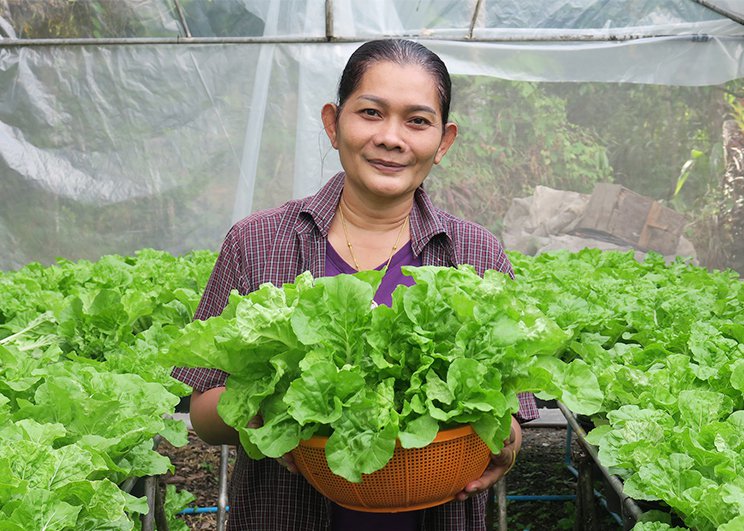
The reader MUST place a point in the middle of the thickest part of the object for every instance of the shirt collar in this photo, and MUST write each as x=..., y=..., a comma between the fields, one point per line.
x=425, y=221
x=321, y=207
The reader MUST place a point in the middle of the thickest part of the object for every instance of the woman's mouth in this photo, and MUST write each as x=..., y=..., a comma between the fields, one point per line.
x=386, y=166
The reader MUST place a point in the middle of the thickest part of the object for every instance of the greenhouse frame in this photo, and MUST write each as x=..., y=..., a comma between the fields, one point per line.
x=135, y=133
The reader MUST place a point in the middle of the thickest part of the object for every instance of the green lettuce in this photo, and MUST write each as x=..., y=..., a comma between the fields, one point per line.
x=318, y=357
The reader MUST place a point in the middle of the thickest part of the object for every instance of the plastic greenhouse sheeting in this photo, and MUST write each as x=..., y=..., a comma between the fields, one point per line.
x=163, y=131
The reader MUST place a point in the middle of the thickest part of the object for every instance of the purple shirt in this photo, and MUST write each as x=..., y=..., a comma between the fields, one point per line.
x=336, y=265
x=343, y=518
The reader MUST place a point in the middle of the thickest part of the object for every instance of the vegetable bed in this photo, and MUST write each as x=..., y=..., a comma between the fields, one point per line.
x=658, y=347
x=666, y=343
x=81, y=392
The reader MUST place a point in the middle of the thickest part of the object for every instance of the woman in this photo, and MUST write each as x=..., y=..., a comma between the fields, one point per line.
x=390, y=126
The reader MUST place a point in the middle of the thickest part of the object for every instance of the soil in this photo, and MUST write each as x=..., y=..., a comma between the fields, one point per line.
x=544, y=469
x=541, y=470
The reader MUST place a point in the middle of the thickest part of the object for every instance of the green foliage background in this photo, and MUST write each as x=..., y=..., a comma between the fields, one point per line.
x=514, y=136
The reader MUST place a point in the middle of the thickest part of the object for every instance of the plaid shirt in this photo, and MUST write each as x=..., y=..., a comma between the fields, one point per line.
x=275, y=246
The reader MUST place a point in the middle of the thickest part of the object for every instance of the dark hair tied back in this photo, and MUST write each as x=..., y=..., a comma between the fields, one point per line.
x=401, y=52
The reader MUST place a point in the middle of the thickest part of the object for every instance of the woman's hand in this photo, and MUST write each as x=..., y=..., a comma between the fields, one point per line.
x=287, y=461
x=499, y=466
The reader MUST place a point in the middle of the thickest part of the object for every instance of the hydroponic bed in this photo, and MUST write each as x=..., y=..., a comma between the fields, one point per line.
x=83, y=387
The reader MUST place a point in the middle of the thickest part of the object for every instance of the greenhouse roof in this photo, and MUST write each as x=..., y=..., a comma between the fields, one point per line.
x=340, y=20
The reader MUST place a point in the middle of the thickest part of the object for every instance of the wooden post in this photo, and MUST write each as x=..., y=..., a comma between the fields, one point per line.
x=490, y=507
x=586, y=517
x=161, y=520
x=501, y=503
x=148, y=520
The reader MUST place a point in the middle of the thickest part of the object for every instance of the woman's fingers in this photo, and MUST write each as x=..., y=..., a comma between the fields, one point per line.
x=255, y=422
x=500, y=464
x=288, y=462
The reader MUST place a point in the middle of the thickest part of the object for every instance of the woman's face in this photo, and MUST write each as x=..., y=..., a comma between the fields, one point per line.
x=389, y=132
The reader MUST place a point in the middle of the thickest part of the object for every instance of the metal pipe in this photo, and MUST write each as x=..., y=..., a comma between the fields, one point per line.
x=586, y=514
x=564, y=38
x=721, y=11
x=182, y=18
x=128, y=484
x=161, y=40
x=625, y=501
x=222, y=499
x=476, y=12
x=148, y=520
x=329, y=20
x=200, y=510
x=161, y=519
x=501, y=502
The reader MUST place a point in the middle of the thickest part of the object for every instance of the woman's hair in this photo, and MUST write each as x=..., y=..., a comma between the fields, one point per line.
x=402, y=52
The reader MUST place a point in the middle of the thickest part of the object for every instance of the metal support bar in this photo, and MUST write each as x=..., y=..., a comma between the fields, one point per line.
x=148, y=520
x=567, y=38
x=161, y=520
x=501, y=502
x=629, y=507
x=721, y=11
x=586, y=516
x=182, y=18
x=128, y=484
x=222, y=500
x=476, y=12
x=329, y=20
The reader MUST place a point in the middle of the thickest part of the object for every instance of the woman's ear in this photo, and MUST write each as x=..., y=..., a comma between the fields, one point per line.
x=448, y=138
x=329, y=115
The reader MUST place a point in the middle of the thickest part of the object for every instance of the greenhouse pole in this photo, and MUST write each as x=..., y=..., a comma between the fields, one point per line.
x=720, y=10
x=182, y=19
x=254, y=130
x=222, y=500
x=474, y=19
x=308, y=178
x=328, y=20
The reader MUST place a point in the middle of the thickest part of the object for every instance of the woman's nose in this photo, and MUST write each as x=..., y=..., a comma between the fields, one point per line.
x=390, y=135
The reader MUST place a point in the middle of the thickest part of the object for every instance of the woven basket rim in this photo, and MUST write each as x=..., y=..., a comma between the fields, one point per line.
x=319, y=441
x=413, y=483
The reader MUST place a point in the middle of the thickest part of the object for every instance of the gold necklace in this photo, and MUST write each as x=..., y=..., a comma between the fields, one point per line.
x=351, y=250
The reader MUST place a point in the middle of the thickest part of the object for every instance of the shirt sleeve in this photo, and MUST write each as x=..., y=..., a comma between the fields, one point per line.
x=225, y=277
x=527, y=408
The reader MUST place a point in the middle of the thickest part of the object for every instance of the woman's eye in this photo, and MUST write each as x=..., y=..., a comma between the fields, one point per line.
x=420, y=122
x=370, y=112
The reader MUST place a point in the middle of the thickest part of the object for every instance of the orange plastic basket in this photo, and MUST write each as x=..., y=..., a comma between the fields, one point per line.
x=415, y=478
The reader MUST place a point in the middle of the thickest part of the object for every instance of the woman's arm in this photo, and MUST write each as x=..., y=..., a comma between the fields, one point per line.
x=207, y=423
x=211, y=429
